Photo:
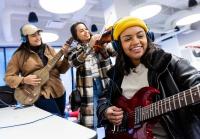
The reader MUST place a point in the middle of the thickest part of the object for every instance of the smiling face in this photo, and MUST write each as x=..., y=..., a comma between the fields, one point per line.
x=134, y=43
x=83, y=33
x=35, y=39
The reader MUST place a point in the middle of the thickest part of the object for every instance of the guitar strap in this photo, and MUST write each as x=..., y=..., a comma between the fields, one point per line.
x=171, y=84
x=40, y=52
x=75, y=99
x=72, y=77
x=174, y=83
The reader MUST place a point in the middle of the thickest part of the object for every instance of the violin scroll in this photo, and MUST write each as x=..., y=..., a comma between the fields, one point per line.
x=69, y=41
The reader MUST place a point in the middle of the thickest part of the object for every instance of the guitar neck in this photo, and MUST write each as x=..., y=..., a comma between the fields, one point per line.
x=53, y=61
x=168, y=104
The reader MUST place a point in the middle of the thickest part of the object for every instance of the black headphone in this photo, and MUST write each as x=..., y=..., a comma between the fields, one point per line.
x=151, y=35
x=116, y=43
x=23, y=38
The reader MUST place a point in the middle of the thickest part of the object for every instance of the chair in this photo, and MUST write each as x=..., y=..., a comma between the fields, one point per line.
x=6, y=96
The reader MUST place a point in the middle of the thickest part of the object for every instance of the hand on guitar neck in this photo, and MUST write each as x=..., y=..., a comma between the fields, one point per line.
x=29, y=91
x=141, y=111
x=35, y=80
x=66, y=46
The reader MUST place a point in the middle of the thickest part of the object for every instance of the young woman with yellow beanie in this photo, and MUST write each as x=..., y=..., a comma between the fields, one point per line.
x=147, y=89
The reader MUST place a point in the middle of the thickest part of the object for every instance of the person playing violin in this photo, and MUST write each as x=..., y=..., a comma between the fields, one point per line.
x=143, y=74
x=91, y=67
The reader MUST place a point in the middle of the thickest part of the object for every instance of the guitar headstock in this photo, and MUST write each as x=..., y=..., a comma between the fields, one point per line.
x=69, y=41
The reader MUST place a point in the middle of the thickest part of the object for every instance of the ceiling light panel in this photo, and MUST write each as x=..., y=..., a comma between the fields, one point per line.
x=62, y=6
x=188, y=19
x=49, y=37
x=146, y=11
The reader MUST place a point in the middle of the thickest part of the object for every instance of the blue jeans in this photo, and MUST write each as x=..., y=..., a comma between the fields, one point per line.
x=97, y=90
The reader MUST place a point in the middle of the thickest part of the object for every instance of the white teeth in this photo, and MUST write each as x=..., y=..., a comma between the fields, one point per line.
x=135, y=48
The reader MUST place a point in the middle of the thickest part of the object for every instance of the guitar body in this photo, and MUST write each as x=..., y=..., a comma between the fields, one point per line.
x=28, y=94
x=144, y=131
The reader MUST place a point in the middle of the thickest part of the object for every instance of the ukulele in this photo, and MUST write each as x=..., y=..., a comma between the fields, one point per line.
x=28, y=94
x=141, y=111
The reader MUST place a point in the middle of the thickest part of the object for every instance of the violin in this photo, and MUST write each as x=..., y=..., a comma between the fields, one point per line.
x=105, y=38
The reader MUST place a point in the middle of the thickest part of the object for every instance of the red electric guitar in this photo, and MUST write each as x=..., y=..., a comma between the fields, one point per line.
x=140, y=109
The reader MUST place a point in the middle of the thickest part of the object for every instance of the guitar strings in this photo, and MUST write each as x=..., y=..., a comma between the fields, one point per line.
x=146, y=110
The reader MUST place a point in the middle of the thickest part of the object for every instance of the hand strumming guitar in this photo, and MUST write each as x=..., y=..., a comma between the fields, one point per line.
x=31, y=80
x=114, y=115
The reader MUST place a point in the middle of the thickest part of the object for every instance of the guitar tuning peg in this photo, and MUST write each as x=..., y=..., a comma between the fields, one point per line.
x=70, y=41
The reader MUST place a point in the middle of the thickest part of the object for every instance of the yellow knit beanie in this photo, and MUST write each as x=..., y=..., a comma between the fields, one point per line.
x=126, y=22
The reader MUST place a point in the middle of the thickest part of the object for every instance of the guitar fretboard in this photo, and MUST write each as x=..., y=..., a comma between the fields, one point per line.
x=168, y=104
x=53, y=61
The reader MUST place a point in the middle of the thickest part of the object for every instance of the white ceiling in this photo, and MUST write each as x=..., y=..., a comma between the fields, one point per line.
x=14, y=13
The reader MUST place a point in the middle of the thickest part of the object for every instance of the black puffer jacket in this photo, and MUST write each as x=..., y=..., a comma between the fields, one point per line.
x=170, y=75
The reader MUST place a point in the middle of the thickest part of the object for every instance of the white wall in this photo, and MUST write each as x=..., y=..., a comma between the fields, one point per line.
x=171, y=46
x=175, y=47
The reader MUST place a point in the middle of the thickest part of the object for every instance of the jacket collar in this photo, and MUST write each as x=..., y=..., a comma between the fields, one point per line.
x=157, y=60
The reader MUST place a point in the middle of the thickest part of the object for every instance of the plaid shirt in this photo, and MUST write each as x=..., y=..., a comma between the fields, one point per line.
x=81, y=58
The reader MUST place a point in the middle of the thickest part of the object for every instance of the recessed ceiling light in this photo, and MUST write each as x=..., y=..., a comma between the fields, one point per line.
x=146, y=11
x=49, y=37
x=188, y=19
x=62, y=6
